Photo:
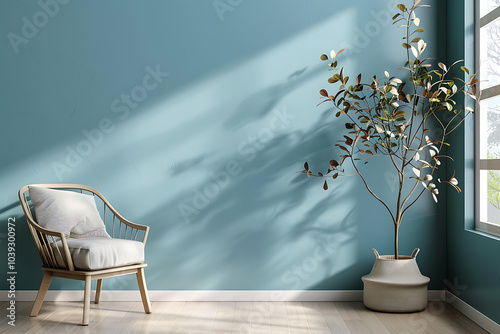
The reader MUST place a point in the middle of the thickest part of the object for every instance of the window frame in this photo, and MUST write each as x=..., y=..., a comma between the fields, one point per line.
x=490, y=92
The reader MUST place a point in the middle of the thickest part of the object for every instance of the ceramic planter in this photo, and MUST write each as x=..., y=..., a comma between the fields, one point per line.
x=395, y=285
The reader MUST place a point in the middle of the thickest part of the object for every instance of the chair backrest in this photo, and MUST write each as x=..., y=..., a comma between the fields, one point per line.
x=52, y=245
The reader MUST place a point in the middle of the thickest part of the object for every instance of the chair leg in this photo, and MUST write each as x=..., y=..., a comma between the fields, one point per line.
x=98, y=291
x=144, y=291
x=47, y=277
x=86, y=301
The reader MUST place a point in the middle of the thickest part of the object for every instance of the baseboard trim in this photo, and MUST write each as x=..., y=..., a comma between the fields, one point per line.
x=209, y=295
x=473, y=314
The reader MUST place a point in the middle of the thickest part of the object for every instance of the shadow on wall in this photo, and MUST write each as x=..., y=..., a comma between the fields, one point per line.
x=243, y=230
x=266, y=100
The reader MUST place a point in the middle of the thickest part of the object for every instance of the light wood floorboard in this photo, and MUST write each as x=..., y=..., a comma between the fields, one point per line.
x=279, y=318
x=237, y=317
x=241, y=319
x=223, y=321
x=168, y=319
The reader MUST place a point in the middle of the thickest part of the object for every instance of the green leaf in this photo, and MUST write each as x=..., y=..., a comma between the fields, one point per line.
x=406, y=45
x=340, y=101
x=396, y=16
x=419, y=30
x=402, y=7
x=400, y=113
x=465, y=69
x=416, y=40
x=334, y=78
x=324, y=57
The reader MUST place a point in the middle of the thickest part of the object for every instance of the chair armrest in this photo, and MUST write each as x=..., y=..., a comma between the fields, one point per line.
x=121, y=219
x=135, y=226
x=48, y=247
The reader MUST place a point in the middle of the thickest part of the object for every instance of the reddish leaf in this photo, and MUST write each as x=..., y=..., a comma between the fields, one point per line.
x=343, y=158
x=358, y=80
x=334, y=163
x=325, y=186
x=343, y=148
x=308, y=173
x=323, y=92
x=348, y=126
x=320, y=174
x=369, y=152
x=474, y=81
x=342, y=50
x=348, y=140
x=334, y=176
x=306, y=166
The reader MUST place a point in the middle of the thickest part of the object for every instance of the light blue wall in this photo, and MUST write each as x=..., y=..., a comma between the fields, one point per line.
x=240, y=95
x=472, y=271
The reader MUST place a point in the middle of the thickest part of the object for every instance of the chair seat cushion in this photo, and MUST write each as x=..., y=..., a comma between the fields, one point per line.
x=102, y=253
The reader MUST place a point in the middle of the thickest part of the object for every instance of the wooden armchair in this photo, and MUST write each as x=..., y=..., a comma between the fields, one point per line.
x=62, y=256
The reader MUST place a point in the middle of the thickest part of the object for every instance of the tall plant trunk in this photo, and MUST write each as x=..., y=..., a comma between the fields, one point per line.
x=396, y=233
x=399, y=211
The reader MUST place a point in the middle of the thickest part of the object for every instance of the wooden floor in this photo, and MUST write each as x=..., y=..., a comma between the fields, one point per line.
x=235, y=317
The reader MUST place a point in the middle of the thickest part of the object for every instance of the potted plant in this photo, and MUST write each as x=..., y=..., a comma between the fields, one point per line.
x=405, y=121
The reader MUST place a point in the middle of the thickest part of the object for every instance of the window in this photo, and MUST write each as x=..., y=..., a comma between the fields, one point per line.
x=488, y=127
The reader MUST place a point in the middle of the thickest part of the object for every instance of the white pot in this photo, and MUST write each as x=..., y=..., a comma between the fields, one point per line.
x=395, y=285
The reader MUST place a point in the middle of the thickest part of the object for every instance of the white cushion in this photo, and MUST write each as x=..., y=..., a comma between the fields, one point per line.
x=71, y=213
x=102, y=253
